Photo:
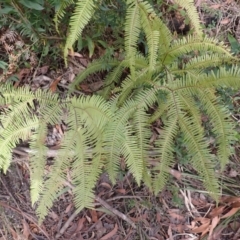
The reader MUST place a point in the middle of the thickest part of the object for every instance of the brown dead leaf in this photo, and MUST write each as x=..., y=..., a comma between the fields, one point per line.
x=106, y=185
x=68, y=208
x=26, y=230
x=178, y=228
x=170, y=232
x=230, y=199
x=110, y=234
x=23, y=72
x=153, y=137
x=88, y=219
x=175, y=215
x=225, y=21
x=176, y=174
x=76, y=54
x=202, y=220
x=216, y=211
x=235, y=205
x=53, y=86
x=230, y=213
x=94, y=215
x=121, y=190
x=14, y=234
x=80, y=224
x=158, y=217
x=214, y=223
x=204, y=228
x=215, y=6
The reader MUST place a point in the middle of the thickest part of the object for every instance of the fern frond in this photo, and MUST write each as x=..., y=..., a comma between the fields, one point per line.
x=38, y=161
x=222, y=126
x=49, y=113
x=192, y=13
x=116, y=137
x=87, y=117
x=197, y=64
x=142, y=136
x=95, y=66
x=112, y=77
x=132, y=29
x=10, y=136
x=150, y=27
x=222, y=78
x=164, y=147
x=201, y=158
x=61, y=11
x=191, y=43
x=83, y=12
x=55, y=182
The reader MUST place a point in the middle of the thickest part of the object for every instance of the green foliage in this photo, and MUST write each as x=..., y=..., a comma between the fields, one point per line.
x=175, y=81
x=179, y=77
x=30, y=18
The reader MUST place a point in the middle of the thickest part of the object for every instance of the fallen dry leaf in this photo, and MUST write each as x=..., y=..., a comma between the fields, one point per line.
x=68, y=208
x=216, y=211
x=121, y=190
x=204, y=228
x=225, y=21
x=53, y=86
x=94, y=215
x=214, y=223
x=230, y=200
x=110, y=234
x=230, y=213
x=80, y=223
x=176, y=174
x=215, y=6
x=26, y=230
x=14, y=234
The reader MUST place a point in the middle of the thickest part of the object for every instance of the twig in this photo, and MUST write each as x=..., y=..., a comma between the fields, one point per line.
x=66, y=224
x=24, y=151
x=116, y=212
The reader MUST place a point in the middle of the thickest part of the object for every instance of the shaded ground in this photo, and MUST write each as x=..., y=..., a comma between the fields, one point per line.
x=124, y=211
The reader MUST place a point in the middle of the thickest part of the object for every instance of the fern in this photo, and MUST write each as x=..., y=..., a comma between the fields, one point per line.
x=184, y=85
x=82, y=14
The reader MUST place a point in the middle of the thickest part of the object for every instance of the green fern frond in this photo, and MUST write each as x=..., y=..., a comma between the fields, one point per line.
x=38, y=161
x=223, y=78
x=197, y=64
x=132, y=29
x=10, y=136
x=192, y=13
x=95, y=66
x=190, y=43
x=61, y=11
x=112, y=77
x=222, y=125
x=201, y=158
x=151, y=29
x=164, y=147
x=83, y=12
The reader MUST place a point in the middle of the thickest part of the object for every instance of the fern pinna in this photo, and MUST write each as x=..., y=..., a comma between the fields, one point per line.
x=176, y=78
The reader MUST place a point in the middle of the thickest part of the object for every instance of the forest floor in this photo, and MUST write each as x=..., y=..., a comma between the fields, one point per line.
x=125, y=211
